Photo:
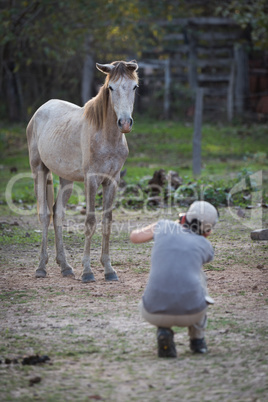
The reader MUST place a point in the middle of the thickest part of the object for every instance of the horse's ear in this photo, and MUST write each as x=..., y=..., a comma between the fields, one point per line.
x=132, y=65
x=105, y=68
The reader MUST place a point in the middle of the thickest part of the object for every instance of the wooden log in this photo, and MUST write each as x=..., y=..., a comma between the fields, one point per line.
x=259, y=234
x=215, y=62
x=197, y=137
x=215, y=50
x=207, y=36
x=203, y=63
x=213, y=78
x=215, y=92
x=154, y=64
x=184, y=49
x=213, y=21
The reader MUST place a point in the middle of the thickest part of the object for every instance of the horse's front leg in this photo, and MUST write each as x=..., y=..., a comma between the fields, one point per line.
x=91, y=187
x=109, y=191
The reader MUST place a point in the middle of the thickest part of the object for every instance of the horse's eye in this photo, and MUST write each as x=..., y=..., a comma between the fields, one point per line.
x=135, y=87
x=111, y=89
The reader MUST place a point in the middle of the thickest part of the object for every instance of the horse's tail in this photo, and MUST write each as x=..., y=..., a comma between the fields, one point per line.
x=49, y=195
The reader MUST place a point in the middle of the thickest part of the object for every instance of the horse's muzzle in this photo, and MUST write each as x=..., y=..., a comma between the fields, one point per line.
x=125, y=125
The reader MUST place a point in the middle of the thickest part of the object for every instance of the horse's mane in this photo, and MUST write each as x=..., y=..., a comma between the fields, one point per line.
x=96, y=108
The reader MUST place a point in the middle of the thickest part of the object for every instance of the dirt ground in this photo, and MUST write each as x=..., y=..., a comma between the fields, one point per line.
x=99, y=347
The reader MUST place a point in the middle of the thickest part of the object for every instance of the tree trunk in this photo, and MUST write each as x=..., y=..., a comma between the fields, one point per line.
x=9, y=84
x=11, y=92
x=88, y=71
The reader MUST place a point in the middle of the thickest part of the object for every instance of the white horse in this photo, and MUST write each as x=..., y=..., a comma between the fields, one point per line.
x=82, y=144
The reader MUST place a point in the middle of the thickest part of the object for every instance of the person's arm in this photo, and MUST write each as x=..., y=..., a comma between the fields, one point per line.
x=143, y=235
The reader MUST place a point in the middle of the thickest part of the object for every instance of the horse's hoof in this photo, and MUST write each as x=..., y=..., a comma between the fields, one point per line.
x=88, y=278
x=40, y=273
x=67, y=272
x=111, y=276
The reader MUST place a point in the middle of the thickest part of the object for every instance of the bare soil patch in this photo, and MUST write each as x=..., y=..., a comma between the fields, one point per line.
x=99, y=347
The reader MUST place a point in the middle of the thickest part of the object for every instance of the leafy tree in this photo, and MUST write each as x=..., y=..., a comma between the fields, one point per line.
x=44, y=38
x=251, y=15
x=46, y=46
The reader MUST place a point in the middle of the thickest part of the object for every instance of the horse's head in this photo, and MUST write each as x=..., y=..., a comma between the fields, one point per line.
x=121, y=82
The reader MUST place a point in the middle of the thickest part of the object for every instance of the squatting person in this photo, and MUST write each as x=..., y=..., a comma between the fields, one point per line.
x=176, y=292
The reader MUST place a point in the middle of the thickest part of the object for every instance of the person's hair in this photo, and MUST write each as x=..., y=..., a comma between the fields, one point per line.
x=194, y=226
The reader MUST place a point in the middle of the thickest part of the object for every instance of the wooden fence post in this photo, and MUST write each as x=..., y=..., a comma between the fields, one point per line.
x=230, y=95
x=165, y=66
x=88, y=71
x=242, y=78
x=167, y=89
x=192, y=63
x=197, y=137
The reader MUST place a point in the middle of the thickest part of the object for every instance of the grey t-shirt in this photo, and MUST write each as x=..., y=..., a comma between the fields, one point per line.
x=175, y=285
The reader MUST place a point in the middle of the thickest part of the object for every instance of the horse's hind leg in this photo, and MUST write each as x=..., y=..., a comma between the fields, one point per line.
x=41, y=174
x=109, y=191
x=64, y=194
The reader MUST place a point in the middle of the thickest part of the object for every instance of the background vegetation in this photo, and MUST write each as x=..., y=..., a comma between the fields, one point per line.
x=229, y=153
x=46, y=45
x=45, y=48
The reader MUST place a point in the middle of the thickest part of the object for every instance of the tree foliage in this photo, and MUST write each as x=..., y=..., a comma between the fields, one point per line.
x=42, y=39
x=251, y=15
x=43, y=43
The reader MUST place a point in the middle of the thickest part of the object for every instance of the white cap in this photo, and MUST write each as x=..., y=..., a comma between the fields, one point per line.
x=203, y=212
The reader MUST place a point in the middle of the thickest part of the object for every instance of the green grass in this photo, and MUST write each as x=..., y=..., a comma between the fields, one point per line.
x=18, y=236
x=18, y=296
x=164, y=144
x=226, y=151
